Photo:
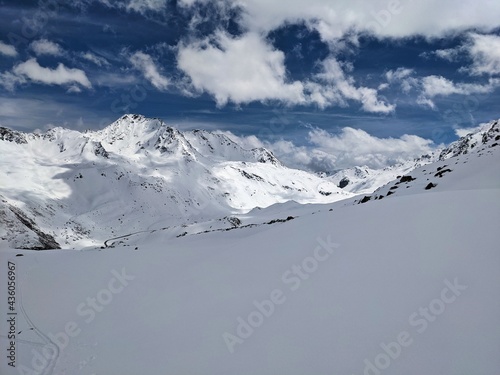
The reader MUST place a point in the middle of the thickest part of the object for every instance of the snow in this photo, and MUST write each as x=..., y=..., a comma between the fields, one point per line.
x=139, y=174
x=415, y=273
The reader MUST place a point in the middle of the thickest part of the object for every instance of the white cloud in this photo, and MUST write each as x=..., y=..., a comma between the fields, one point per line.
x=426, y=102
x=74, y=89
x=9, y=81
x=433, y=86
x=449, y=54
x=439, y=86
x=398, y=75
x=462, y=132
x=142, y=6
x=328, y=152
x=247, y=68
x=145, y=64
x=336, y=87
x=357, y=147
x=485, y=53
x=46, y=47
x=403, y=77
x=7, y=50
x=397, y=18
x=100, y=61
x=240, y=70
x=482, y=49
x=59, y=76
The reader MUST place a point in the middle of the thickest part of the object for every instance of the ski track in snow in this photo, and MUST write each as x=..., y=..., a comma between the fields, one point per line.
x=51, y=363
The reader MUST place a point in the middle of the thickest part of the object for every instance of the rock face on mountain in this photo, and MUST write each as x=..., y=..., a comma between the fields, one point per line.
x=72, y=189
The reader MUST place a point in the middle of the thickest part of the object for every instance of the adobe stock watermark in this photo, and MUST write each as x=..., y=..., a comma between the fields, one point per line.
x=420, y=321
x=32, y=27
x=87, y=310
x=383, y=17
x=292, y=278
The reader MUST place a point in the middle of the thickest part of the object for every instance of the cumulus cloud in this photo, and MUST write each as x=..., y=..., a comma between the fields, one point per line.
x=485, y=53
x=483, y=50
x=60, y=76
x=145, y=64
x=239, y=70
x=434, y=86
x=439, y=86
x=7, y=50
x=46, y=47
x=326, y=152
x=403, y=77
x=335, y=87
x=449, y=54
x=399, y=74
x=247, y=68
x=357, y=147
x=398, y=18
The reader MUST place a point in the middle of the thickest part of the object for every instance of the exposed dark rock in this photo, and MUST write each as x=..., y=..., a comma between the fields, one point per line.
x=365, y=199
x=442, y=172
x=407, y=179
x=12, y=136
x=234, y=221
x=343, y=183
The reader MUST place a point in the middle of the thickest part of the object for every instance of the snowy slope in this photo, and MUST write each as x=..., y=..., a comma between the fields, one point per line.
x=139, y=174
x=470, y=149
x=365, y=180
x=406, y=284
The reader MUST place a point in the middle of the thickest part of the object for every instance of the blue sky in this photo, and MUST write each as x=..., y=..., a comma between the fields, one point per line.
x=282, y=71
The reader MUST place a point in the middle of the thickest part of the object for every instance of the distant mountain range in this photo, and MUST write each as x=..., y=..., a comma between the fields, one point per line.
x=68, y=189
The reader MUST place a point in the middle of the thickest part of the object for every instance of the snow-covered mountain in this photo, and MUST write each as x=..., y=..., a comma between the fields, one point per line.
x=67, y=189
x=365, y=180
x=403, y=281
x=138, y=174
x=467, y=150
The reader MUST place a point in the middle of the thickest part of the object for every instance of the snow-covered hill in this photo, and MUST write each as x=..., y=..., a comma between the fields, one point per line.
x=447, y=169
x=403, y=284
x=365, y=180
x=137, y=174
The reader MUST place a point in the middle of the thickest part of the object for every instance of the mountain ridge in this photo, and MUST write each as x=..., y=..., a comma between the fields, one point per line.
x=138, y=174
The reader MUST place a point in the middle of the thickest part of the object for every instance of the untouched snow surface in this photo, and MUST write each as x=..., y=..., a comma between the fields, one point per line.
x=404, y=284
